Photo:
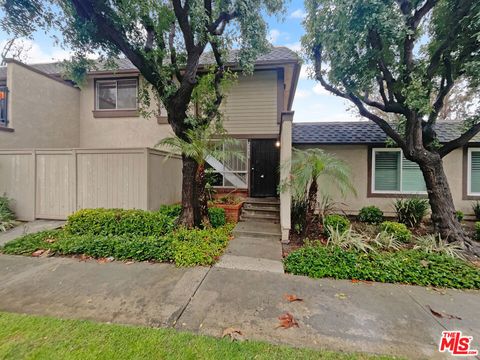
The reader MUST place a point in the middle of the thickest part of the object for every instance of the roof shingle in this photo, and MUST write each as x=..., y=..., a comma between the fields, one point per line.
x=275, y=55
x=359, y=132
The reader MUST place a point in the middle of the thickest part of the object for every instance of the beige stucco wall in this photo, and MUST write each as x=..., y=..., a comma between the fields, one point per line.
x=250, y=108
x=116, y=131
x=356, y=156
x=43, y=112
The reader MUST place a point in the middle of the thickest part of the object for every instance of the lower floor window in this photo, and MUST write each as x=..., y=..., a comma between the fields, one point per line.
x=393, y=173
x=474, y=171
x=231, y=171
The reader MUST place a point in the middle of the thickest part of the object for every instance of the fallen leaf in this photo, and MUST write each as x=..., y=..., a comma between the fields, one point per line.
x=105, y=260
x=234, y=334
x=443, y=315
x=130, y=262
x=287, y=321
x=38, y=253
x=341, y=296
x=50, y=241
x=440, y=291
x=357, y=281
x=424, y=263
x=292, y=297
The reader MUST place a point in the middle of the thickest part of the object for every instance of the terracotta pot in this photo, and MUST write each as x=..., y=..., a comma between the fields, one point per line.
x=232, y=212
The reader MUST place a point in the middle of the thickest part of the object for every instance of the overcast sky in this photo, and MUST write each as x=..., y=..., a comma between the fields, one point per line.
x=312, y=103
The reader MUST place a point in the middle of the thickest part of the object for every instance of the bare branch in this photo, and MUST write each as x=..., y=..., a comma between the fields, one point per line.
x=460, y=141
x=384, y=125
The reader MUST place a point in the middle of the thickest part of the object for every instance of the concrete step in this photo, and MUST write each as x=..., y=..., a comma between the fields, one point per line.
x=254, y=228
x=256, y=207
x=260, y=211
x=261, y=215
x=263, y=201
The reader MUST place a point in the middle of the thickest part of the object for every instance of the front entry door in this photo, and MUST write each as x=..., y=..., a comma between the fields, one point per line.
x=264, y=168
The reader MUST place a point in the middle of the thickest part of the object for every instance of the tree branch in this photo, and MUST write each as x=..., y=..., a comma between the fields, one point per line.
x=218, y=26
x=421, y=13
x=182, y=16
x=460, y=141
x=384, y=125
x=446, y=85
x=173, y=52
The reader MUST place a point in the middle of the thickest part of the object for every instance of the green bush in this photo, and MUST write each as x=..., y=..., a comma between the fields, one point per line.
x=403, y=266
x=411, y=211
x=184, y=247
x=106, y=222
x=7, y=216
x=217, y=217
x=172, y=211
x=476, y=209
x=477, y=230
x=370, y=215
x=399, y=231
x=199, y=247
x=460, y=215
x=335, y=222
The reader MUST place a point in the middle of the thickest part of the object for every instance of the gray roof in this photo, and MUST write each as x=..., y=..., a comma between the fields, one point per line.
x=278, y=54
x=359, y=132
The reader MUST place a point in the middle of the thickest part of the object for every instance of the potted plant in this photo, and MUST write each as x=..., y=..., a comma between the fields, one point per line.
x=231, y=204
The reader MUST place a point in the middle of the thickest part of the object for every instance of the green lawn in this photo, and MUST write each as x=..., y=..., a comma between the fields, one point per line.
x=34, y=337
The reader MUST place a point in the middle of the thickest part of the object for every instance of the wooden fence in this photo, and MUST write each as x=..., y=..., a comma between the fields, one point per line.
x=52, y=184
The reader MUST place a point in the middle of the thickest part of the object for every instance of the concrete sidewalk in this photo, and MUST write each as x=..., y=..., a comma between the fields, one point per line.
x=339, y=315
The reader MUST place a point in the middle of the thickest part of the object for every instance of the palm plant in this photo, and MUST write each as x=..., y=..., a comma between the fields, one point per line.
x=201, y=143
x=308, y=167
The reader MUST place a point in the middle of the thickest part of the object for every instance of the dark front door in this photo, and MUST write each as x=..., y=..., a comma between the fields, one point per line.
x=264, y=168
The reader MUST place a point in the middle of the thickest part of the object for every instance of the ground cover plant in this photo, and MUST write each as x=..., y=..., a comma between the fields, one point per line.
x=409, y=266
x=130, y=235
x=35, y=337
x=7, y=216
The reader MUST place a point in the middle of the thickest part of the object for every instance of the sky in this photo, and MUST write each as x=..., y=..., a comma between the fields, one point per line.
x=312, y=102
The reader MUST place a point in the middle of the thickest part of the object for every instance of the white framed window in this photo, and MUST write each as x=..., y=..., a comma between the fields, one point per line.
x=117, y=94
x=231, y=172
x=392, y=173
x=473, y=174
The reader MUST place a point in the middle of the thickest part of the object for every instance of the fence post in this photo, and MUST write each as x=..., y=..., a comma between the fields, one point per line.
x=34, y=184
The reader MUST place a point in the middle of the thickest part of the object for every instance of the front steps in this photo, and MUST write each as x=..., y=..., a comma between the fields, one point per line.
x=261, y=210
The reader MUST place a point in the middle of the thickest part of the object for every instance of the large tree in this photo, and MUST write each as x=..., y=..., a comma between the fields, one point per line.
x=165, y=40
x=402, y=58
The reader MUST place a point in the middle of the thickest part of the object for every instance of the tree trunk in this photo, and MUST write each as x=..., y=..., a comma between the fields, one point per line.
x=311, y=205
x=189, y=217
x=201, y=182
x=444, y=218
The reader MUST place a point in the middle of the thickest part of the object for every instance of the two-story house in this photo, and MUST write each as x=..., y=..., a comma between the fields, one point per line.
x=65, y=147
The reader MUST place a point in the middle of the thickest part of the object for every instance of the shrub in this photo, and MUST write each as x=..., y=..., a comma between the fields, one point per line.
x=185, y=247
x=199, y=247
x=370, y=215
x=435, y=244
x=299, y=209
x=107, y=222
x=399, y=231
x=411, y=211
x=172, y=211
x=217, y=217
x=336, y=222
x=348, y=240
x=404, y=266
x=476, y=209
x=477, y=230
x=6, y=214
x=460, y=215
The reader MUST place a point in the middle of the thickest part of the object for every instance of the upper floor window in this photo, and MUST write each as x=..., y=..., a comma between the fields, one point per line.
x=392, y=173
x=473, y=171
x=118, y=94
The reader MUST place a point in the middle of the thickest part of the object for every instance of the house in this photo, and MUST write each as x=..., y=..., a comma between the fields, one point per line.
x=381, y=173
x=64, y=148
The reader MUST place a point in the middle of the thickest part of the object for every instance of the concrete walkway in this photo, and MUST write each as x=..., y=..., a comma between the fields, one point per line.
x=28, y=228
x=256, y=246
x=338, y=315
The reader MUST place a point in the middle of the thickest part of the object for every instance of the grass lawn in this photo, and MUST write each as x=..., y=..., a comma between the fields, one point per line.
x=35, y=337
